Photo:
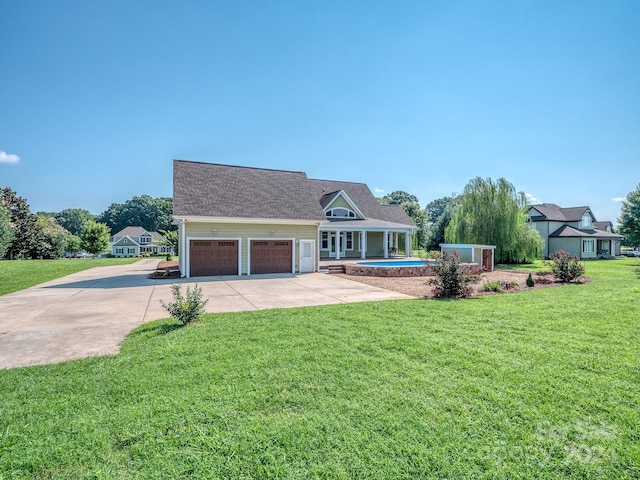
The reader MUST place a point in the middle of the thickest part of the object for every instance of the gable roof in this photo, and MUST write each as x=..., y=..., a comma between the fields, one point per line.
x=132, y=232
x=135, y=232
x=552, y=212
x=360, y=194
x=215, y=190
x=603, y=225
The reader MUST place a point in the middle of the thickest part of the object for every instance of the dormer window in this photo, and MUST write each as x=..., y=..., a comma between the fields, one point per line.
x=340, y=212
x=586, y=221
x=145, y=239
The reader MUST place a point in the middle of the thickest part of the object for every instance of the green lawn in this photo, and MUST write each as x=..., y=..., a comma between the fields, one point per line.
x=20, y=274
x=537, y=384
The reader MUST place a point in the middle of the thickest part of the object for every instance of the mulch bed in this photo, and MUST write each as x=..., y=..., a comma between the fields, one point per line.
x=166, y=270
x=419, y=286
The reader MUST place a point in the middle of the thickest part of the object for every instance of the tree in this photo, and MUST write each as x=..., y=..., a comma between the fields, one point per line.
x=438, y=214
x=629, y=221
x=398, y=198
x=434, y=209
x=152, y=214
x=493, y=213
x=49, y=240
x=25, y=225
x=7, y=231
x=73, y=244
x=411, y=206
x=171, y=239
x=95, y=237
x=73, y=219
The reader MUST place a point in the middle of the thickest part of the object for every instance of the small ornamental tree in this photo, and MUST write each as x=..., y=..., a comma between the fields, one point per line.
x=95, y=237
x=565, y=267
x=188, y=309
x=451, y=280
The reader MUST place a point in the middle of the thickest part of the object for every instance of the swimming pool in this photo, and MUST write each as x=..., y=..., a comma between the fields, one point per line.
x=391, y=268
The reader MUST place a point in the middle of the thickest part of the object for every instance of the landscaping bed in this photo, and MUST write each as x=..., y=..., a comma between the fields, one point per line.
x=419, y=286
x=166, y=270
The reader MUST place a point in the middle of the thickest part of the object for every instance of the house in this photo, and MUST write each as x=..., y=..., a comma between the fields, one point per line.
x=136, y=241
x=574, y=230
x=241, y=220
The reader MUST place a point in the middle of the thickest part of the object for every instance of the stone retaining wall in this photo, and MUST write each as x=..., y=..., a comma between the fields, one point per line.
x=422, y=271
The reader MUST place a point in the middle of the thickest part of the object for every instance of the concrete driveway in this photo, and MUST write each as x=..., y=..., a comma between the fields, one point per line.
x=89, y=313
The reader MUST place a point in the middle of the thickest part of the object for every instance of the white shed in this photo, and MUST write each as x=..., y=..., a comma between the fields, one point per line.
x=483, y=255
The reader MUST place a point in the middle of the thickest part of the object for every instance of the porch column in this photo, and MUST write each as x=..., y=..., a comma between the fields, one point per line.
x=182, y=249
x=395, y=240
x=385, y=241
x=363, y=244
x=407, y=244
x=338, y=245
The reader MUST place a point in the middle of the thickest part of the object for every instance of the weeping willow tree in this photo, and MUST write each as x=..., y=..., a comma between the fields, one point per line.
x=493, y=213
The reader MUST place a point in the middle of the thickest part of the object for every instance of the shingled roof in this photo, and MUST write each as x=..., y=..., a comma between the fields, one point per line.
x=552, y=212
x=227, y=191
x=215, y=190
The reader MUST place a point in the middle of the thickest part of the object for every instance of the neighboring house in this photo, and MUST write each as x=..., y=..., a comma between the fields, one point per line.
x=574, y=230
x=242, y=220
x=136, y=241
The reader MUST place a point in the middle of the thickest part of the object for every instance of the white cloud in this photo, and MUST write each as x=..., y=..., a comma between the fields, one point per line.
x=378, y=190
x=8, y=157
x=619, y=199
x=531, y=199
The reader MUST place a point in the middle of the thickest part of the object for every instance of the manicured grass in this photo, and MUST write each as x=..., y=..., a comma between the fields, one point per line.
x=20, y=274
x=537, y=384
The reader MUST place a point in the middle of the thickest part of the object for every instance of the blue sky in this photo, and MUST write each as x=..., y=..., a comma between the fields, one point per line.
x=97, y=98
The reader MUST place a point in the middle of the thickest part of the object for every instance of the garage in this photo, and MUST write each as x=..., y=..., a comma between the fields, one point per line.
x=271, y=256
x=213, y=257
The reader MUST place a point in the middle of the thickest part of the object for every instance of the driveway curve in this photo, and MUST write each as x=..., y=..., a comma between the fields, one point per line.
x=89, y=313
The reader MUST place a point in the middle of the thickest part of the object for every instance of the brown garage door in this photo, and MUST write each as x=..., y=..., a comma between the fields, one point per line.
x=213, y=257
x=271, y=256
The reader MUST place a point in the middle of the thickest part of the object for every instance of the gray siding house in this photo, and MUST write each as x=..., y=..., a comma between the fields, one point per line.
x=574, y=230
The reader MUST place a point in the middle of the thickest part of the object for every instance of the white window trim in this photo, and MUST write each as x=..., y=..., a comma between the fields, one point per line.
x=590, y=242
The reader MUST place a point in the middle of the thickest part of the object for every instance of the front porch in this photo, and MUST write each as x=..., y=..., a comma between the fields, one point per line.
x=355, y=244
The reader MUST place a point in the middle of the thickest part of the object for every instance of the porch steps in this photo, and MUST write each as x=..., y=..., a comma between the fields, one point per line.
x=335, y=269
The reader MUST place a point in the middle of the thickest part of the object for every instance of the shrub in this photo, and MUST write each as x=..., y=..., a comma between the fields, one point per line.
x=188, y=309
x=565, y=267
x=451, y=280
x=169, y=257
x=530, y=281
x=509, y=285
x=492, y=286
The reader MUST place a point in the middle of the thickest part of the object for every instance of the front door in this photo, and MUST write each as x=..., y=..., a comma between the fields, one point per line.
x=307, y=256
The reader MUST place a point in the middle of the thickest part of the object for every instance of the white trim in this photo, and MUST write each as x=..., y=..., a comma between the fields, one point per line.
x=188, y=251
x=466, y=245
x=293, y=250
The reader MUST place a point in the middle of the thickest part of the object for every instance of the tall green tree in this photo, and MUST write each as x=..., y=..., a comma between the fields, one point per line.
x=411, y=206
x=25, y=225
x=494, y=213
x=152, y=214
x=73, y=219
x=629, y=221
x=95, y=237
x=436, y=228
x=7, y=231
x=50, y=238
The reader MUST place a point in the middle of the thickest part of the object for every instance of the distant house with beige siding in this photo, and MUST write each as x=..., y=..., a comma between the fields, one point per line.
x=574, y=230
x=240, y=220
